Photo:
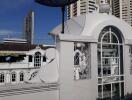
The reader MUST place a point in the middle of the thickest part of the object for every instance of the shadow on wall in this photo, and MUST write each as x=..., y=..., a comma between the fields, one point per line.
x=126, y=97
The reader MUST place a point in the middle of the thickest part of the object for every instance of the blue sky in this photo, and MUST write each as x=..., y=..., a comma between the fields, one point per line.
x=12, y=13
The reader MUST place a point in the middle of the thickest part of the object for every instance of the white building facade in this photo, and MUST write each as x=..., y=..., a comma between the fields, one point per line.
x=96, y=56
x=15, y=65
x=92, y=61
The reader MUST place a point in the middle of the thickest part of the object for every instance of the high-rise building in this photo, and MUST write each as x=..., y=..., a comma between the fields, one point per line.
x=29, y=27
x=123, y=10
x=119, y=8
x=81, y=7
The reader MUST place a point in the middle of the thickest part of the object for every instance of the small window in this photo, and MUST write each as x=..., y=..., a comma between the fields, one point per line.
x=13, y=77
x=21, y=76
x=130, y=51
x=44, y=59
x=76, y=59
x=30, y=58
x=2, y=78
x=37, y=59
x=82, y=63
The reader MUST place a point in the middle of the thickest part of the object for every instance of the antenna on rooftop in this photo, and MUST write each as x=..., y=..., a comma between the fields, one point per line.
x=57, y=3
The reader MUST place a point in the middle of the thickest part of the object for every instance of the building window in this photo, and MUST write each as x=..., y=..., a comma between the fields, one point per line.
x=82, y=65
x=30, y=58
x=130, y=52
x=76, y=58
x=2, y=78
x=44, y=59
x=110, y=64
x=37, y=59
x=21, y=76
x=13, y=77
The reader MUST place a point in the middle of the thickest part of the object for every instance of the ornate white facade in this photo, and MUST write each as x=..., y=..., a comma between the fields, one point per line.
x=15, y=72
x=92, y=61
x=95, y=51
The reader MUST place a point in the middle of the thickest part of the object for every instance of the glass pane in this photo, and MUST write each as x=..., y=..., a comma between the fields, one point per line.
x=115, y=66
x=100, y=91
x=30, y=58
x=121, y=60
x=113, y=39
x=109, y=50
x=122, y=90
x=107, y=91
x=110, y=66
x=115, y=91
x=106, y=38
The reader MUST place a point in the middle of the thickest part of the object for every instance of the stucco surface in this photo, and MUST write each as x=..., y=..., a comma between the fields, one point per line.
x=92, y=24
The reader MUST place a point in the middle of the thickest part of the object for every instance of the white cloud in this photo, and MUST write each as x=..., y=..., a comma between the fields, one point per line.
x=7, y=32
x=4, y=32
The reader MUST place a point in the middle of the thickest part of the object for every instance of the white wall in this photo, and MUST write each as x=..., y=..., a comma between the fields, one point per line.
x=127, y=75
x=69, y=88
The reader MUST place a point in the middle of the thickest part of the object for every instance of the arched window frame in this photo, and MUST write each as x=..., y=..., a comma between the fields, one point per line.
x=116, y=74
x=13, y=77
x=82, y=69
x=77, y=57
x=21, y=76
x=111, y=33
x=2, y=77
x=37, y=59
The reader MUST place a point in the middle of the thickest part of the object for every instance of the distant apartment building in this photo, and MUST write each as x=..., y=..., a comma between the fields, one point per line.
x=119, y=8
x=29, y=27
x=81, y=7
x=86, y=6
x=123, y=10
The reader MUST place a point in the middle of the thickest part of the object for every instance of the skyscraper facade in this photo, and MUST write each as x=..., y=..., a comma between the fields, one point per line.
x=122, y=9
x=29, y=27
x=119, y=8
x=81, y=7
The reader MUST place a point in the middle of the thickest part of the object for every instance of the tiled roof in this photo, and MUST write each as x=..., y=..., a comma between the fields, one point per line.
x=19, y=47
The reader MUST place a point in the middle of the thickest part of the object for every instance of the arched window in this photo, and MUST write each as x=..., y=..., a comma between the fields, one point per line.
x=37, y=59
x=110, y=63
x=76, y=58
x=13, y=76
x=82, y=66
x=21, y=76
x=2, y=77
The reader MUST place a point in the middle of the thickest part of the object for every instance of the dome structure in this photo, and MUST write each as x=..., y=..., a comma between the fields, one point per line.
x=92, y=24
